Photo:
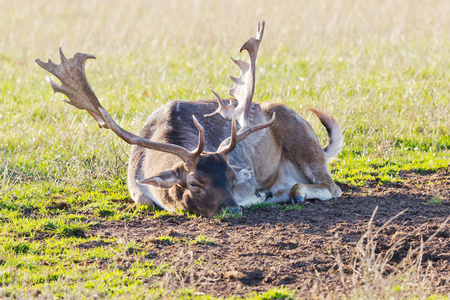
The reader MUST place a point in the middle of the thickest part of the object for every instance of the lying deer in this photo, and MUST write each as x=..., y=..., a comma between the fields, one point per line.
x=275, y=156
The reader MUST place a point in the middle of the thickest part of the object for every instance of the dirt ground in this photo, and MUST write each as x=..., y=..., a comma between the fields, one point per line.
x=298, y=249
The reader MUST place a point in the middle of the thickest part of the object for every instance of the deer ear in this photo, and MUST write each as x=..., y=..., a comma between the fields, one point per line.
x=165, y=179
x=242, y=174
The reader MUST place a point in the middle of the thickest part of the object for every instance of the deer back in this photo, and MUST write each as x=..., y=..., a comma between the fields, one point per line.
x=172, y=124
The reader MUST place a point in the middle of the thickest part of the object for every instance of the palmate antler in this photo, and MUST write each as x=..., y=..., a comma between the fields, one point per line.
x=74, y=84
x=243, y=89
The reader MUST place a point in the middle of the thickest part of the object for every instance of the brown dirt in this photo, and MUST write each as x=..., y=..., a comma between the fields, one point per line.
x=275, y=247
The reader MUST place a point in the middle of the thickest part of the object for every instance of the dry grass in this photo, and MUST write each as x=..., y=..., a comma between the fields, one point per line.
x=374, y=273
x=371, y=269
x=380, y=66
x=38, y=27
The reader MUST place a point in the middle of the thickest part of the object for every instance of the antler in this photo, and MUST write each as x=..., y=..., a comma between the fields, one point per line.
x=233, y=140
x=229, y=144
x=243, y=89
x=74, y=84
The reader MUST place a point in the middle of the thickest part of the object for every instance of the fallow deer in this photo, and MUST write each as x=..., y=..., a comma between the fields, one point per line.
x=275, y=156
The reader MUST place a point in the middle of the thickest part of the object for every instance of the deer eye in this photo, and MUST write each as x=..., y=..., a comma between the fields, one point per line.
x=194, y=184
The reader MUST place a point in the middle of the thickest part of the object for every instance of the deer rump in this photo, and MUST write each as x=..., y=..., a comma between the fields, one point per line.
x=266, y=153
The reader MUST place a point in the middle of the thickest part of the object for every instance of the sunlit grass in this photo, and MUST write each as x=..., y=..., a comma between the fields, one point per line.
x=380, y=67
x=203, y=240
x=435, y=201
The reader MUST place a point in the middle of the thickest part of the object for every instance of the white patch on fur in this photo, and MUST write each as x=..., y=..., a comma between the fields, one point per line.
x=249, y=200
x=143, y=193
x=244, y=191
x=288, y=176
x=337, y=142
x=321, y=194
x=243, y=175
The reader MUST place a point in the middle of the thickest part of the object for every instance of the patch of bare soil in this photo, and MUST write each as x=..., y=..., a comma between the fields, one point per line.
x=310, y=250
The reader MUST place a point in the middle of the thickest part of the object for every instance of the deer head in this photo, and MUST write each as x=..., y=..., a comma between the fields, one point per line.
x=205, y=187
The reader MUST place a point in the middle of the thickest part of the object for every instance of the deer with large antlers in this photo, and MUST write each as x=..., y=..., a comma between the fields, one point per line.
x=275, y=156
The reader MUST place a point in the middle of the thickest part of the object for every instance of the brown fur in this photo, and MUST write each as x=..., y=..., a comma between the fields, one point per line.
x=188, y=156
x=289, y=141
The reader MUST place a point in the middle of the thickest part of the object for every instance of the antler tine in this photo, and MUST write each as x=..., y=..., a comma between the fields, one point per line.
x=233, y=138
x=244, y=85
x=226, y=147
x=260, y=30
x=244, y=132
x=63, y=57
x=201, y=140
x=243, y=90
x=253, y=43
x=226, y=111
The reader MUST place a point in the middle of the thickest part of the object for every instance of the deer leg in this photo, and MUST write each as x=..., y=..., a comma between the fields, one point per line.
x=303, y=172
x=139, y=193
x=246, y=195
x=300, y=191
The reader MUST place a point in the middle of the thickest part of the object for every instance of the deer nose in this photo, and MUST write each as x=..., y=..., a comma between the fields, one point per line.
x=231, y=206
x=235, y=210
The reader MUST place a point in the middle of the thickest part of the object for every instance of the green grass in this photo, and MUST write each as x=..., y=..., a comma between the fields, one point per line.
x=43, y=265
x=274, y=294
x=203, y=240
x=383, y=78
x=262, y=205
x=227, y=214
x=281, y=207
x=294, y=207
x=435, y=201
x=170, y=240
x=162, y=214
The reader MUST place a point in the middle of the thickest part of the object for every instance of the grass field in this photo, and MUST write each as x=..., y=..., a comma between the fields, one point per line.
x=380, y=67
